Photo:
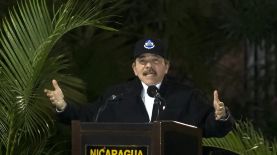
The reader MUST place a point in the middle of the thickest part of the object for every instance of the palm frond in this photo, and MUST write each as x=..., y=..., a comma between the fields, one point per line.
x=28, y=35
x=244, y=140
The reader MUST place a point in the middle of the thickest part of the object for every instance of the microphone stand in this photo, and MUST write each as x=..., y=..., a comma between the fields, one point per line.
x=100, y=110
x=161, y=104
x=156, y=106
x=104, y=106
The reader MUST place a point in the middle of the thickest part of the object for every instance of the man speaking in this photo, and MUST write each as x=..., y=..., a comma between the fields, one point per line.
x=149, y=97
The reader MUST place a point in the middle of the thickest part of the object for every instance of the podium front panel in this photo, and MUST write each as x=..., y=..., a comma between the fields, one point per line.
x=135, y=138
x=158, y=138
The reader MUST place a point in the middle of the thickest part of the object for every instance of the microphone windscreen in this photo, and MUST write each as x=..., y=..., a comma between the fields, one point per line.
x=152, y=91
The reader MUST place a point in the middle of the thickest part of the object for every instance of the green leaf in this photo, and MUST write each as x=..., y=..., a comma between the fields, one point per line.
x=243, y=140
x=27, y=37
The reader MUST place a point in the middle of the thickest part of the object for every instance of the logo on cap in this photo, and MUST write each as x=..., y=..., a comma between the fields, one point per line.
x=149, y=44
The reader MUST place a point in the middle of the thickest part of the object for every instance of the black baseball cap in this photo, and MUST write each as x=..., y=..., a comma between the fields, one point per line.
x=149, y=45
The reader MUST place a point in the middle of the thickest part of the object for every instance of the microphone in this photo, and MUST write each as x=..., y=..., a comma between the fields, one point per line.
x=153, y=91
x=110, y=99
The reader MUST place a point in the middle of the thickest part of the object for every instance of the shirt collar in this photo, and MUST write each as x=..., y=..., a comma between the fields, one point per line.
x=145, y=87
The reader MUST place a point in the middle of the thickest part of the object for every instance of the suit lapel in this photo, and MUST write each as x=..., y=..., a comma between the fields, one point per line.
x=136, y=87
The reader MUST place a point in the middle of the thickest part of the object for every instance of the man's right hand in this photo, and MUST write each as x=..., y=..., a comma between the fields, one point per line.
x=56, y=96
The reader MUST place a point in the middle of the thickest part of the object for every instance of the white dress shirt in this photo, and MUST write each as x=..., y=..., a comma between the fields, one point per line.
x=148, y=101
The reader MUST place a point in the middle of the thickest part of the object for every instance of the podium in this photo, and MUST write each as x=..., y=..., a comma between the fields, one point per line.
x=157, y=138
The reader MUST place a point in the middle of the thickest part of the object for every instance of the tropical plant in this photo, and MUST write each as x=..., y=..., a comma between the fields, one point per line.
x=244, y=140
x=27, y=37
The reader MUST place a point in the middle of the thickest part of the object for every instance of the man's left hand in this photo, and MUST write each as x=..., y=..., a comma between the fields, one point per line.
x=220, y=111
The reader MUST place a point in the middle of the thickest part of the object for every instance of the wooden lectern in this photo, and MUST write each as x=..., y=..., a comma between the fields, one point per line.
x=157, y=138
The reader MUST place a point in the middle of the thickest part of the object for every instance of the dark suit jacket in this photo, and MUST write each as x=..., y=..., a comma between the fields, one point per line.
x=184, y=104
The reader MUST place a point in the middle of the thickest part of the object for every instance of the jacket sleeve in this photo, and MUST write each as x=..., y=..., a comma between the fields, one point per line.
x=83, y=112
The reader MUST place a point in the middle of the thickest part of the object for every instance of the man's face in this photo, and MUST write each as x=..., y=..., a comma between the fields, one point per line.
x=150, y=68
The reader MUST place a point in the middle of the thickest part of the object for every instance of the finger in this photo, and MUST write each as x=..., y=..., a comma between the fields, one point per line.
x=46, y=90
x=219, y=112
x=220, y=108
x=55, y=84
x=54, y=101
x=49, y=95
x=221, y=104
x=216, y=99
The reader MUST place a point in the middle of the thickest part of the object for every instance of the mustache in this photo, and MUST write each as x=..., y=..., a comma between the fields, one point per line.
x=149, y=71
